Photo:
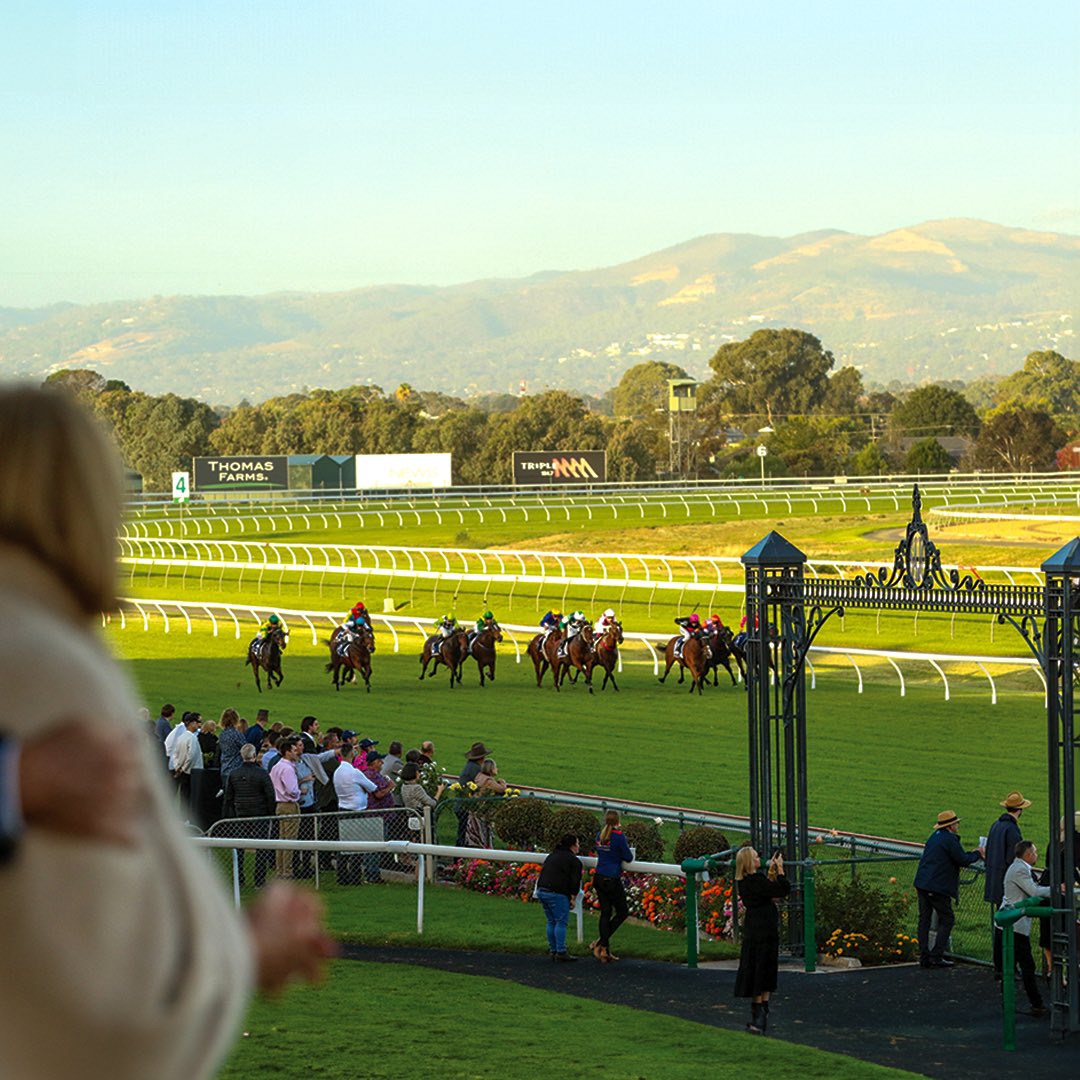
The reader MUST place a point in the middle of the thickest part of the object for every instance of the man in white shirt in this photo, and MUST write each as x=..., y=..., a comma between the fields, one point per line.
x=186, y=755
x=1019, y=884
x=352, y=788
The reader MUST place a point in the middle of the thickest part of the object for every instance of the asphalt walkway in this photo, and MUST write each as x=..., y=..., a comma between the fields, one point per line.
x=940, y=1023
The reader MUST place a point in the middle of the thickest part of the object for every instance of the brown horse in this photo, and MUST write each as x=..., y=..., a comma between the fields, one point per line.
x=575, y=654
x=722, y=642
x=451, y=654
x=542, y=651
x=606, y=653
x=693, y=659
x=267, y=655
x=353, y=653
x=482, y=649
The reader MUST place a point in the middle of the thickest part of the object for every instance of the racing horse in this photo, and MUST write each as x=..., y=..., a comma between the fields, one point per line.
x=738, y=649
x=451, y=654
x=541, y=651
x=482, y=649
x=693, y=659
x=605, y=654
x=722, y=644
x=574, y=654
x=267, y=655
x=353, y=653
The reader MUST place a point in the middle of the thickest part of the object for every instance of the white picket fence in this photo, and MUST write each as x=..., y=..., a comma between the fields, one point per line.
x=400, y=626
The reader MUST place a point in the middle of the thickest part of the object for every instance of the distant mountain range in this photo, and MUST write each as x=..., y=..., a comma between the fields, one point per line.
x=945, y=299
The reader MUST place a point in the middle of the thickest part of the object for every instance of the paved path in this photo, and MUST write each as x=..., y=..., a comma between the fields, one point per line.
x=943, y=1024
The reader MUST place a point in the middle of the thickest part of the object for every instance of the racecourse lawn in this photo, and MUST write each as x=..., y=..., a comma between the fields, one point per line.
x=451, y=1025
x=878, y=762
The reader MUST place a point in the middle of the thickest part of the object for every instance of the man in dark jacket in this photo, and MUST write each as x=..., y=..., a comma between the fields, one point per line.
x=474, y=761
x=937, y=881
x=249, y=793
x=557, y=888
x=1001, y=844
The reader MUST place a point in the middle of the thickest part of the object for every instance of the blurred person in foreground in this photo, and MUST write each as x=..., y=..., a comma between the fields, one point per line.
x=124, y=940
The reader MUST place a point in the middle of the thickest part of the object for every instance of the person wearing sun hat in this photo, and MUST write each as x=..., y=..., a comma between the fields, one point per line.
x=937, y=882
x=1001, y=843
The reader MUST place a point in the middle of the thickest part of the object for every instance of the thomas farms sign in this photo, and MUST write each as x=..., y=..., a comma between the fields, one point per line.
x=556, y=467
x=241, y=473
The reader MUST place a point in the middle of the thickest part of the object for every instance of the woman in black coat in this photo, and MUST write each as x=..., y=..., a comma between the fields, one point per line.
x=758, y=963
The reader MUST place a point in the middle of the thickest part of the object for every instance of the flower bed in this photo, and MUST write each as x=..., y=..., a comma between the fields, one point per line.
x=657, y=900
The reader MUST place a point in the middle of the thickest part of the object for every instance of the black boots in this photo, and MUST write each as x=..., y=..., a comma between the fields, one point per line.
x=759, y=1018
x=756, y=1025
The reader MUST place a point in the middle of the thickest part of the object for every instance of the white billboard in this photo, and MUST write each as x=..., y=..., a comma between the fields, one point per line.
x=402, y=471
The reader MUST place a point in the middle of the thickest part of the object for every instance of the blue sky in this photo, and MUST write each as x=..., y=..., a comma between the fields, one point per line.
x=248, y=147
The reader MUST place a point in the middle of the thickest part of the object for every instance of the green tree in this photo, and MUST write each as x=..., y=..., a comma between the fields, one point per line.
x=84, y=383
x=634, y=450
x=928, y=456
x=162, y=434
x=1049, y=382
x=1018, y=440
x=642, y=392
x=930, y=412
x=869, y=461
x=772, y=374
x=812, y=445
x=843, y=392
x=461, y=433
x=552, y=421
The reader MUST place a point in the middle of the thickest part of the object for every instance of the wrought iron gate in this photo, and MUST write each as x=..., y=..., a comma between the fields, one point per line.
x=785, y=612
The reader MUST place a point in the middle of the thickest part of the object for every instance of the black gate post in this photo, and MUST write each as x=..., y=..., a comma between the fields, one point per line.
x=776, y=710
x=1061, y=645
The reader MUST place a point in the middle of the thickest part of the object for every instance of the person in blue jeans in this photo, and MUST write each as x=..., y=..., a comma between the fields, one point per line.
x=559, y=884
x=612, y=851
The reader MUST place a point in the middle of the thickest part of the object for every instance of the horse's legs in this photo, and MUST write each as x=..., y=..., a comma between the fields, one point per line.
x=667, y=670
x=682, y=672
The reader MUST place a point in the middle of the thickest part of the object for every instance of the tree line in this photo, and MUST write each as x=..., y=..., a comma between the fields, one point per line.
x=777, y=388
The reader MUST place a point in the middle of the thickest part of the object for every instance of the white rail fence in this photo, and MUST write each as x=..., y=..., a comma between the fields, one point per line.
x=401, y=626
x=422, y=852
x=510, y=565
x=409, y=511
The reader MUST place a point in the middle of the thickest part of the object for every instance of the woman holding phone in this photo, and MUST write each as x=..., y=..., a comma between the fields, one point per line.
x=756, y=978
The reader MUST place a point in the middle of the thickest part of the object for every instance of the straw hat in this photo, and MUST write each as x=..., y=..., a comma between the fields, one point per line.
x=1015, y=801
x=946, y=818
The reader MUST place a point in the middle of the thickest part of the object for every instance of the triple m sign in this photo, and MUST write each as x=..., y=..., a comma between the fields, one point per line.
x=559, y=467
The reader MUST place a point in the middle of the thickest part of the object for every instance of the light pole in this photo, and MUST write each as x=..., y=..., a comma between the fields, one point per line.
x=763, y=451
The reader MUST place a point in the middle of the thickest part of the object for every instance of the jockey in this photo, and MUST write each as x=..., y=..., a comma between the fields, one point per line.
x=551, y=620
x=575, y=624
x=689, y=626
x=606, y=620
x=484, y=622
x=444, y=629
x=272, y=624
x=358, y=619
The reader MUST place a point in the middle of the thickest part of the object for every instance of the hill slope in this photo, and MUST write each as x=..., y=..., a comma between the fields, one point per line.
x=944, y=299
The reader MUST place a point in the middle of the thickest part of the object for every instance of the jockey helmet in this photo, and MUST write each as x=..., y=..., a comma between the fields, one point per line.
x=716, y=619
x=488, y=615
x=610, y=613
x=694, y=620
x=556, y=611
x=448, y=618
x=578, y=616
x=274, y=619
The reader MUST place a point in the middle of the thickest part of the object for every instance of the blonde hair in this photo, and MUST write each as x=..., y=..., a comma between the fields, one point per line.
x=489, y=768
x=60, y=491
x=611, y=821
x=744, y=862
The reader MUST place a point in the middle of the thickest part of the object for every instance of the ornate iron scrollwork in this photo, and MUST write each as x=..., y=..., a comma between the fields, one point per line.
x=917, y=562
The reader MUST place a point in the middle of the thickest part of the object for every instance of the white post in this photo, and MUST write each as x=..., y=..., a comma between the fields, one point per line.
x=579, y=912
x=420, y=866
x=236, y=877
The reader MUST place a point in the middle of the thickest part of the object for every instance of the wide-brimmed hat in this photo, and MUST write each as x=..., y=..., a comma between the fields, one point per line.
x=946, y=818
x=1015, y=801
x=477, y=751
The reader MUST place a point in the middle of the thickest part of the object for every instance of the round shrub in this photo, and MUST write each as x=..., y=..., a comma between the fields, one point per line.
x=572, y=819
x=698, y=842
x=644, y=837
x=521, y=824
